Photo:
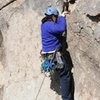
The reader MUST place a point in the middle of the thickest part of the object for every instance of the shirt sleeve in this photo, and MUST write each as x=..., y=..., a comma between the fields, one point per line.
x=58, y=27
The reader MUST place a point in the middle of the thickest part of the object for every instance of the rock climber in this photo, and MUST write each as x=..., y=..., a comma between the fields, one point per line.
x=66, y=6
x=52, y=28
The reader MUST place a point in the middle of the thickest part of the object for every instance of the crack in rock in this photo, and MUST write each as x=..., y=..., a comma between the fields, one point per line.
x=94, y=18
x=7, y=4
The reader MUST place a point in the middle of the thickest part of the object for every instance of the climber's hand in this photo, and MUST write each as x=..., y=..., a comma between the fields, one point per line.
x=64, y=13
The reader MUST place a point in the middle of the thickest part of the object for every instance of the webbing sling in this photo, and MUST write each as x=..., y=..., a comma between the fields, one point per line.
x=48, y=63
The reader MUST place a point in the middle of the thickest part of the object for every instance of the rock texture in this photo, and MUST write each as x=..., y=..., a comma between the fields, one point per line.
x=84, y=43
x=20, y=44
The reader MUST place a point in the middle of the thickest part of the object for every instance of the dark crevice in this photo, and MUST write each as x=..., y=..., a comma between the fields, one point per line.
x=81, y=28
x=7, y=4
x=1, y=49
x=94, y=18
x=1, y=92
x=72, y=1
x=97, y=40
x=1, y=38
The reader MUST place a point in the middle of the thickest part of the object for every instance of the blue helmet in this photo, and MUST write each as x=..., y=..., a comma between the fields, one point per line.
x=51, y=11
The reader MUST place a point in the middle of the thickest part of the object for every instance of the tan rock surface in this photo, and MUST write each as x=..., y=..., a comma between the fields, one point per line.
x=20, y=45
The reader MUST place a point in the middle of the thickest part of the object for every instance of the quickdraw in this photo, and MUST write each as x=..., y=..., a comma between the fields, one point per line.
x=53, y=62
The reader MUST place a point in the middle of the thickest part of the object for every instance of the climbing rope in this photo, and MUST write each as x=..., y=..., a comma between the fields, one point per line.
x=40, y=87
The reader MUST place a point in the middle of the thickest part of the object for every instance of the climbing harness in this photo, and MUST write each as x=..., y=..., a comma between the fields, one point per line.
x=52, y=61
x=48, y=64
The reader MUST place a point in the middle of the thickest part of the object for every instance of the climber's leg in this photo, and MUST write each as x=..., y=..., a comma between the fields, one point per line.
x=66, y=6
x=65, y=84
x=65, y=80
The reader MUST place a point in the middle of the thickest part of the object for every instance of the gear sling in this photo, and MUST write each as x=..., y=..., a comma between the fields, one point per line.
x=52, y=61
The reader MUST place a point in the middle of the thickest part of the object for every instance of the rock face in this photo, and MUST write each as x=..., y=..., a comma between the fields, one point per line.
x=20, y=45
x=84, y=43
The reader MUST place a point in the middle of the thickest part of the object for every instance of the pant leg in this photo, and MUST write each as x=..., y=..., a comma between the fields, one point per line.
x=65, y=80
x=65, y=84
x=65, y=6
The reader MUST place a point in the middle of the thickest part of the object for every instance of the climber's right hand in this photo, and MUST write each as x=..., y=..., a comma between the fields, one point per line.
x=64, y=13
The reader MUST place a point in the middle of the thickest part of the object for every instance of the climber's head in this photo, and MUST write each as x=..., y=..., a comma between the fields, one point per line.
x=52, y=13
